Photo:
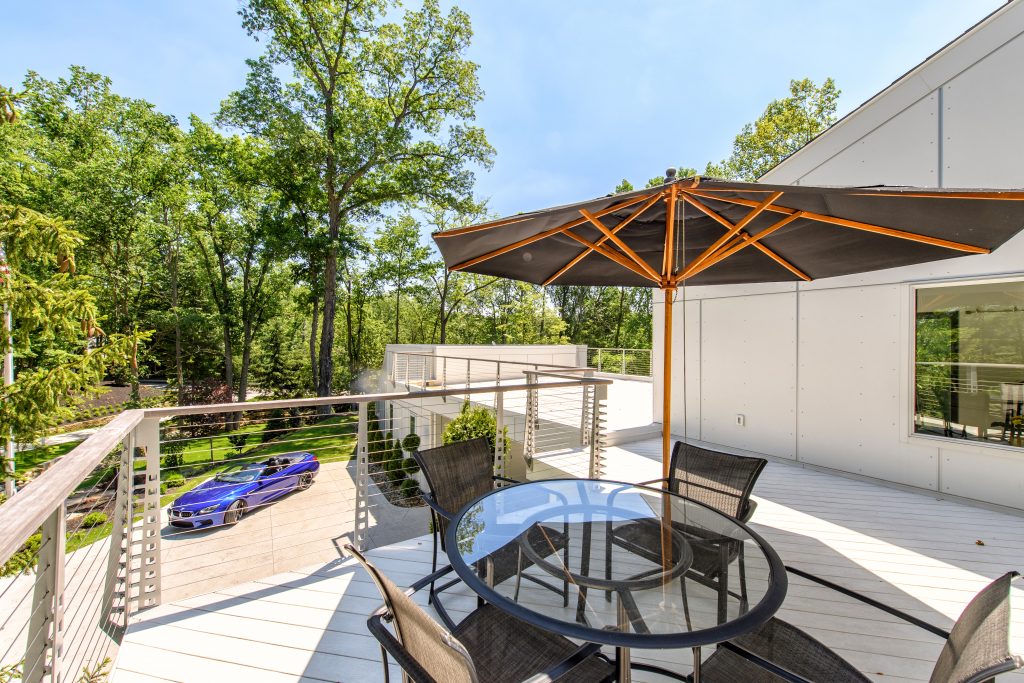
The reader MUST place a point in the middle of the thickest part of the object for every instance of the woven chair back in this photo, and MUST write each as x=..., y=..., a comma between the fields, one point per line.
x=719, y=480
x=457, y=473
x=436, y=650
x=979, y=645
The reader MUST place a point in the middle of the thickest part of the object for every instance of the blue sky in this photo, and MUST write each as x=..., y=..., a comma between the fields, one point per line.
x=579, y=93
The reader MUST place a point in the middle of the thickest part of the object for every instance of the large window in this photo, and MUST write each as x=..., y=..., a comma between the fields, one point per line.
x=969, y=362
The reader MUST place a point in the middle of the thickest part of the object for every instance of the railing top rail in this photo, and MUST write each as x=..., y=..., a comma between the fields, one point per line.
x=24, y=513
x=367, y=398
x=486, y=360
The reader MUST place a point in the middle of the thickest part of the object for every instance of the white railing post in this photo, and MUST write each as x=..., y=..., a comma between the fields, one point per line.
x=599, y=355
x=530, y=432
x=362, y=479
x=116, y=590
x=147, y=444
x=586, y=392
x=599, y=395
x=623, y=371
x=444, y=376
x=499, y=433
x=44, y=649
x=497, y=372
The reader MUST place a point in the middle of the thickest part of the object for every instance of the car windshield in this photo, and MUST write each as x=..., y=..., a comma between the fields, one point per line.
x=240, y=476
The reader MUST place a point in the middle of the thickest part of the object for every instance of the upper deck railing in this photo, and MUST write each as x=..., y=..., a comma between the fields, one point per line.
x=105, y=546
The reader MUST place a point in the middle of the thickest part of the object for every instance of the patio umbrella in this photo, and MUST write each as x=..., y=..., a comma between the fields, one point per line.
x=702, y=231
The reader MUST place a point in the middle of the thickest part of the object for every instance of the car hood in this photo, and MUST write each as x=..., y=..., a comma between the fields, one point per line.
x=210, y=492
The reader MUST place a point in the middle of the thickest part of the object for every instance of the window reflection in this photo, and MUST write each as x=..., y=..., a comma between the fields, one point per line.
x=969, y=362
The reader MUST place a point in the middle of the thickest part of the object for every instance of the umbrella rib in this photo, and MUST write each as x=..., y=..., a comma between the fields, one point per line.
x=856, y=225
x=539, y=236
x=636, y=214
x=749, y=241
x=609, y=254
x=734, y=229
x=618, y=242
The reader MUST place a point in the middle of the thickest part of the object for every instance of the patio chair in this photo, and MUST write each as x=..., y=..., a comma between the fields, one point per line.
x=457, y=474
x=718, y=480
x=977, y=648
x=488, y=645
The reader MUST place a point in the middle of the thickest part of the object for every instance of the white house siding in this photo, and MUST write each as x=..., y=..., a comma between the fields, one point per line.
x=821, y=371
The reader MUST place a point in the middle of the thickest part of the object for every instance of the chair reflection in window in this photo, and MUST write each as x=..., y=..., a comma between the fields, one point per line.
x=1013, y=412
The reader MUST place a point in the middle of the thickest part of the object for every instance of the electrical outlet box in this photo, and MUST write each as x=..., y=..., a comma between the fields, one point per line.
x=741, y=420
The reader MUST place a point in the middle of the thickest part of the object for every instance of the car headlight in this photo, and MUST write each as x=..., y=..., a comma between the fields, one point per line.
x=207, y=510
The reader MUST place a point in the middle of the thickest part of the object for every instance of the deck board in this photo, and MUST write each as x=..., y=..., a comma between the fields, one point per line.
x=908, y=549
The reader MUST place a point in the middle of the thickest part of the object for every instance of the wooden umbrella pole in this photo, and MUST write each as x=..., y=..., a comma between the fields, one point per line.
x=666, y=392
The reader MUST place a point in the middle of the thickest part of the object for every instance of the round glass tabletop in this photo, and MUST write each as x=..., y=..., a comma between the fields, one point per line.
x=616, y=563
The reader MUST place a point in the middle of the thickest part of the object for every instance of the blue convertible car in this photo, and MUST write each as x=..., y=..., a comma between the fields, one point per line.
x=226, y=497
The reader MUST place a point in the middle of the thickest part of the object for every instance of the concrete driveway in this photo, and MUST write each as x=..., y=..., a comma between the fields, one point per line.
x=301, y=529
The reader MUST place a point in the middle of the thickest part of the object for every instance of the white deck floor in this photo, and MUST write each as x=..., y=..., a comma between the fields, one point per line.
x=907, y=549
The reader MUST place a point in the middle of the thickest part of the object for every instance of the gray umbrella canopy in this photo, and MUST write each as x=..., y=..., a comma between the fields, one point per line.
x=721, y=232
x=700, y=231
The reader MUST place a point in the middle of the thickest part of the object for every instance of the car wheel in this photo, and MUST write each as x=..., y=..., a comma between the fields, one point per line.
x=234, y=512
x=305, y=481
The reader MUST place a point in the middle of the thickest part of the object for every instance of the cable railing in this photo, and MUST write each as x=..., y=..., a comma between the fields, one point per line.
x=426, y=369
x=167, y=503
x=628, y=362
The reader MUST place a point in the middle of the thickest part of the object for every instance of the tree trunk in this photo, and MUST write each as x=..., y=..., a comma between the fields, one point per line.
x=314, y=327
x=398, y=303
x=326, y=365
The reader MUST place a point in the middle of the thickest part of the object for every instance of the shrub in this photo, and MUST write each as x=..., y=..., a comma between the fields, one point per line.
x=26, y=556
x=277, y=426
x=411, y=442
x=472, y=422
x=410, y=466
x=173, y=480
x=409, y=488
x=174, y=459
x=93, y=519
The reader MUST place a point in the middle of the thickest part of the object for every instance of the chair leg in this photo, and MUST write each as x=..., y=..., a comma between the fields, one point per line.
x=384, y=660
x=433, y=564
x=743, y=581
x=519, y=574
x=565, y=558
x=608, y=557
x=686, y=602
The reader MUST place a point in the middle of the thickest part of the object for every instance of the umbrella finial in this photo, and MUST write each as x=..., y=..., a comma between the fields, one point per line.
x=670, y=174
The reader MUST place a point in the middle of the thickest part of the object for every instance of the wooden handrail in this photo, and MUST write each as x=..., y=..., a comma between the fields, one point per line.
x=23, y=514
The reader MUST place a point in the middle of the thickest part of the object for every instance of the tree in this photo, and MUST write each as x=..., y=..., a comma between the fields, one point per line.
x=786, y=125
x=60, y=353
x=399, y=260
x=384, y=105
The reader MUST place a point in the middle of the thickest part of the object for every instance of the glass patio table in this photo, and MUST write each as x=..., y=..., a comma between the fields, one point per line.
x=619, y=596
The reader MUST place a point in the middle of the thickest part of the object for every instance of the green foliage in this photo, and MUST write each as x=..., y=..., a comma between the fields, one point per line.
x=472, y=422
x=95, y=519
x=26, y=556
x=173, y=479
x=410, y=466
x=786, y=125
x=409, y=489
x=238, y=440
x=11, y=672
x=98, y=673
x=411, y=442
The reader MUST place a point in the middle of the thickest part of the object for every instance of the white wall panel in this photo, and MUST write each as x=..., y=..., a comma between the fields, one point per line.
x=984, y=474
x=902, y=151
x=748, y=367
x=983, y=113
x=849, y=401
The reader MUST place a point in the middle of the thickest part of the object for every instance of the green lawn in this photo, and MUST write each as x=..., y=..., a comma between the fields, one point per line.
x=30, y=460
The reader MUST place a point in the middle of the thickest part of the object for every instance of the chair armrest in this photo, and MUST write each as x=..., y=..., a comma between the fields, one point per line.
x=765, y=664
x=429, y=500
x=427, y=580
x=394, y=648
x=751, y=507
x=566, y=665
x=870, y=601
